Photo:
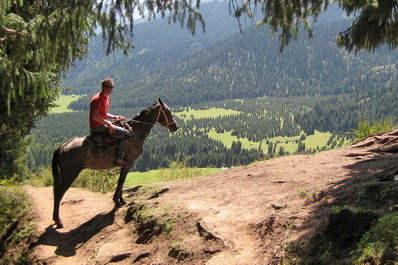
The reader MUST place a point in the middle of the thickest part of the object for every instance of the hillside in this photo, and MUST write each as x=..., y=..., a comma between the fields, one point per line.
x=231, y=217
x=223, y=64
x=156, y=44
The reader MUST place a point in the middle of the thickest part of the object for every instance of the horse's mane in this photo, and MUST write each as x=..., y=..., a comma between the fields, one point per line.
x=145, y=112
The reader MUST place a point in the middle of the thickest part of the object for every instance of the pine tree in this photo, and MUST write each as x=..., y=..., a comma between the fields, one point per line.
x=375, y=25
x=40, y=40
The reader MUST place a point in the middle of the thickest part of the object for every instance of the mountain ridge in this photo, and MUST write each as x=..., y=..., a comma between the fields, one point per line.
x=250, y=66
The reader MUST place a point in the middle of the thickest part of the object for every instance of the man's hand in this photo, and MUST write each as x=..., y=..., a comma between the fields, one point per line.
x=111, y=129
x=120, y=118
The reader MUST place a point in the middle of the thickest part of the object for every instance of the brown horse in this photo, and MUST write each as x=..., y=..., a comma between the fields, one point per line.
x=79, y=153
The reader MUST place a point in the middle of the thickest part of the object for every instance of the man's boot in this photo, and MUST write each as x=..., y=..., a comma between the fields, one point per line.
x=119, y=161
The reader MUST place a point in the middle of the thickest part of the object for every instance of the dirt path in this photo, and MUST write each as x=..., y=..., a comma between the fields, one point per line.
x=250, y=213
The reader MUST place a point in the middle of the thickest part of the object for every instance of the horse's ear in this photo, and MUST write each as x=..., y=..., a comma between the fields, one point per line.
x=161, y=102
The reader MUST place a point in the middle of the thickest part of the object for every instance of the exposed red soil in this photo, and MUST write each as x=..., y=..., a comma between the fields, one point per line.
x=246, y=215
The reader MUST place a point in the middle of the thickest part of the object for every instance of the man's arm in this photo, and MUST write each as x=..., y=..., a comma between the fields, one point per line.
x=114, y=117
x=96, y=117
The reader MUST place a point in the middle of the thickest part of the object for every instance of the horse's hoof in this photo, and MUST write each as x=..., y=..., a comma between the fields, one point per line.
x=119, y=203
x=59, y=225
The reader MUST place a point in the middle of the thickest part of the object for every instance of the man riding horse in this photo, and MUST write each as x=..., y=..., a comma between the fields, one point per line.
x=99, y=106
x=76, y=154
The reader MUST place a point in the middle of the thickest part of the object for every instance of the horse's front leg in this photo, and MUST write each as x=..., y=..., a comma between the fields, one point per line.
x=118, y=196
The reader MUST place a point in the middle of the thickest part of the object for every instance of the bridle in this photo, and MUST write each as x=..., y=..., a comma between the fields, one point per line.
x=161, y=111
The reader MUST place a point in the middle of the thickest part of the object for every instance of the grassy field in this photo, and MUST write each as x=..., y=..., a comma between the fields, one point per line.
x=154, y=176
x=226, y=138
x=209, y=113
x=319, y=139
x=63, y=102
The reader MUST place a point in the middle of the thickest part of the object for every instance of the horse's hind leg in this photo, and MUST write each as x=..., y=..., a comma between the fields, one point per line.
x=59, y=192
x=58, y=195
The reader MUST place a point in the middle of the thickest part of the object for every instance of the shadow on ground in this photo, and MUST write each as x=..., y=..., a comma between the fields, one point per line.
x=68, y=242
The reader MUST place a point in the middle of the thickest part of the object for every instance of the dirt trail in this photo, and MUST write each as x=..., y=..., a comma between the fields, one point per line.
x=250, y=212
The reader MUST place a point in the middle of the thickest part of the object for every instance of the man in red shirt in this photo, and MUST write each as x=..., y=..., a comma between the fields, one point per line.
x=99, y=122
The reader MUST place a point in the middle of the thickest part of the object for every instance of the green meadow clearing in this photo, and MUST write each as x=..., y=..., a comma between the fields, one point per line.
x=207, y=113
x=290, y=144
x=63, y=102
x=162, y=175
x=319, y=139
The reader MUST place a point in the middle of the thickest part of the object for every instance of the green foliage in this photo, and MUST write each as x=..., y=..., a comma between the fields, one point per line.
x=179, y=170
x=154, y=176
x=40, y=178
x=13, y=154
x=39, y=42
x=285, y=18
x=302, y=193
x=177, y=251
x=375, y=25
x=63, y=102
x=98, y=180
x=366, y=128
x=379, y=244
x=341, y=114
x=327, y=254
x=254, y=123
x=14, y=206
x=149, y=222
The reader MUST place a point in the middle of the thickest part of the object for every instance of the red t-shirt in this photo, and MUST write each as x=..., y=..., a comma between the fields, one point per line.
x=101, y=104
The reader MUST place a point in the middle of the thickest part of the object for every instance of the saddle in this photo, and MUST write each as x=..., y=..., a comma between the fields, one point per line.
x=103, y=139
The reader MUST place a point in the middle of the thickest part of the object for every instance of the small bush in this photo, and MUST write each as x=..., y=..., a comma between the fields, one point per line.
x=179, y=170
x=148, y=223
x=13, y=205
x=14, y=227
x=379, y=244
x=366, y=128
x=98, y=180
x=41, y=178
x=302, y=193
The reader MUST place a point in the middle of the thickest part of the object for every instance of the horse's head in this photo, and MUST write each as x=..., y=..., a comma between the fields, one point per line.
x=165, y=117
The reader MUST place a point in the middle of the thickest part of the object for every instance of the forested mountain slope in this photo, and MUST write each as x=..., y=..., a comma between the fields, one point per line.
x=335, y=91
x=250, y=65
x=156, y=43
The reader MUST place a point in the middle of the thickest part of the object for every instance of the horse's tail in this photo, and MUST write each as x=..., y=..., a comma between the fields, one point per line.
x=56, y=172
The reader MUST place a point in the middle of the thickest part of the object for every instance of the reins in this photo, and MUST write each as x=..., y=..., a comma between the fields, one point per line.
x=161, y=110
x=147, y=123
